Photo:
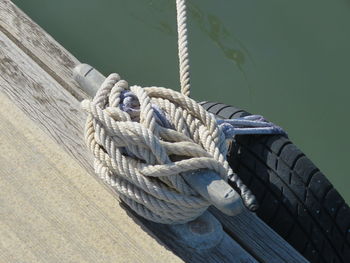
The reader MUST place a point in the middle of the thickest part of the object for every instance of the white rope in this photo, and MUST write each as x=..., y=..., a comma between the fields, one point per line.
x=143, y=139
x=184, y=65
x=134, y=156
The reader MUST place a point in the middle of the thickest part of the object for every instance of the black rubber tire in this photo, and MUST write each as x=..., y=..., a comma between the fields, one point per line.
x=295, y=198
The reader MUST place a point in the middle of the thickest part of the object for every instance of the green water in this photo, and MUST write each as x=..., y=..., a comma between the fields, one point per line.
x=287, y=60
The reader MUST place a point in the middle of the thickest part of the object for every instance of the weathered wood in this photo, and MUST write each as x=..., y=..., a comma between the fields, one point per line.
x=58, y=114
x=38, y=91
x=40, y=46
x=264, y=244
x=43, y=99
x=226, y=251
x=53, y=211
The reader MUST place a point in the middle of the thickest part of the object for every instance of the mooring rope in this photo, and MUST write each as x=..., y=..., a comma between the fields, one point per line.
x=184, y=63
x=144, y=139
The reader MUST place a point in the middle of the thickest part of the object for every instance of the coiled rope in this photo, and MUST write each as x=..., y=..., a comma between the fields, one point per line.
x=143, y=139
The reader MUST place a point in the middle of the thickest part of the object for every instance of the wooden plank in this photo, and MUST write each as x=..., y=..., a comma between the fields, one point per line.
x=226, y=251
x=57, y=113
x=40, y=46
x=53, y=211
x=257, y=238
x=43, y=99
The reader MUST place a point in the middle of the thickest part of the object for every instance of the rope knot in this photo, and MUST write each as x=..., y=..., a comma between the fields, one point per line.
x=143, y=139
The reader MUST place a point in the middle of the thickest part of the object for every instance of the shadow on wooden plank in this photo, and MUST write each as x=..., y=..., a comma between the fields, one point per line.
x=226, y=251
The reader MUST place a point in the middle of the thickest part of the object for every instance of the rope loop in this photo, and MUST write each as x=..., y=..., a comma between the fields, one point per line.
x=143, y=139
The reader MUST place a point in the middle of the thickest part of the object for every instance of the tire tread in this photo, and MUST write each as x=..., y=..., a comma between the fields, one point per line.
x=296, y=199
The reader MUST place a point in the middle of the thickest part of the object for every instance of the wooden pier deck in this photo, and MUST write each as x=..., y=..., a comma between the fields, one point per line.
x=52, y=207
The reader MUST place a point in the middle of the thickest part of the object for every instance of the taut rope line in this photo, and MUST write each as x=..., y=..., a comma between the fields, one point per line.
x=184, y=64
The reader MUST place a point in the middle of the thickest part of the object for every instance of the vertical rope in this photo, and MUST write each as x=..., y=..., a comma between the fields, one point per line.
x=184, y=66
